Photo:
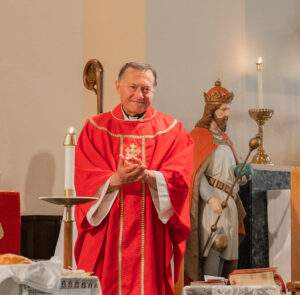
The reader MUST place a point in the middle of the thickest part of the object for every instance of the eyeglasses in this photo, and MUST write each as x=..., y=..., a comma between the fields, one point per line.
x=146, y=90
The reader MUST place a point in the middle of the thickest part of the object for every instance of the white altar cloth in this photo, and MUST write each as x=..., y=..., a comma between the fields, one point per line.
x=279, y=225
x=45, y=277
x=41, y=275
x=231, y=290
x=69, y=286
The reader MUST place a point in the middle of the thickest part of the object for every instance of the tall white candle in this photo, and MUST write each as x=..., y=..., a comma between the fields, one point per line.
x=69, y=160
x=260, y=98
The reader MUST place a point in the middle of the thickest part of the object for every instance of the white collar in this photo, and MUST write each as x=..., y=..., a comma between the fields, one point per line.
x=130, y=118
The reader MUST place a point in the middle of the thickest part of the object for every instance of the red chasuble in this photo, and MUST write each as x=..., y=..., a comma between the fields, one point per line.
x=131, y=249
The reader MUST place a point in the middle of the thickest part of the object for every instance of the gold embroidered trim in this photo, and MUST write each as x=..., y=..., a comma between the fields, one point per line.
x=143, y=120
x=134, y=136
x=143, y=223
x=121, y=229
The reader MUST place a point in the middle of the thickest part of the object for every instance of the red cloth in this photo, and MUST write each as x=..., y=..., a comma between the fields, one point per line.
x=203, y=146
x=10, y=221
x=168, y=149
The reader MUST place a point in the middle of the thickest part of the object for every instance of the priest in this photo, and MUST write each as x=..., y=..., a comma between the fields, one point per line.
x=137, y=161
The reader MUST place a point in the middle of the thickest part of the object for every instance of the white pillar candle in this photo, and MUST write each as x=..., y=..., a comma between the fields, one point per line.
x=69, y=144
x=260, y=98
x=69, y=167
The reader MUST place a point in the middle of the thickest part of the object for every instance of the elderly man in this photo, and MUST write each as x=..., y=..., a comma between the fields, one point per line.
x=137, y=161
x=214, y=173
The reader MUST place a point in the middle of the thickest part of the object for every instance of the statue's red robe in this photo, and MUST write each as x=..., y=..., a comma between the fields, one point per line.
x=131, y=249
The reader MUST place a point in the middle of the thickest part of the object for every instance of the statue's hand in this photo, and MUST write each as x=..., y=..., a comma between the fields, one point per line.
x=243, y=180
x=215, y=205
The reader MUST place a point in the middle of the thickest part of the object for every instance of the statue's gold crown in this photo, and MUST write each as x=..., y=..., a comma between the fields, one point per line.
x=218, y=94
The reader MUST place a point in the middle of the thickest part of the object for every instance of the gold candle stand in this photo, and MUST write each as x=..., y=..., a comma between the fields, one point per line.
x=68, y=201
x=260, y=116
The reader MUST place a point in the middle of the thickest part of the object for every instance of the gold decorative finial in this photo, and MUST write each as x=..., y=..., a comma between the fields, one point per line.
x=218, y=82
x=259, y=64
x=254, y=143
x=70, y=139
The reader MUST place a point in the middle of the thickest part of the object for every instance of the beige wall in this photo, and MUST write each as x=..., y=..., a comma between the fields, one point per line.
x=41, y=95
x=209, y=39
x=114, y=34
x=44, y=46
x=273, y=30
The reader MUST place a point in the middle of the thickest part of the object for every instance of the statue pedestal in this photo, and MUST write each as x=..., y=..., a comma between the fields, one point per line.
x=254, y=249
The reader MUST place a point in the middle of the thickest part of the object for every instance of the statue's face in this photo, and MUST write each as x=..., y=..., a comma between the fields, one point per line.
x=136, y=90
x=221, y=116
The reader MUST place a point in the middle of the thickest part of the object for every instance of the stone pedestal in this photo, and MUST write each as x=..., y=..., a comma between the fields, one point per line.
x=254, y=248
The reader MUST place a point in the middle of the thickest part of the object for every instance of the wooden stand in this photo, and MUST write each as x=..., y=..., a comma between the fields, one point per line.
x=294, y=285
x=180, y=284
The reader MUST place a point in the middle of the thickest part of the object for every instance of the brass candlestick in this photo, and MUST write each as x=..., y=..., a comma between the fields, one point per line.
x=68, y=201
x=261, y=116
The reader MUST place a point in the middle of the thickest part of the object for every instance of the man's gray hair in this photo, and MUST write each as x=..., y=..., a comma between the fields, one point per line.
x=138, y=66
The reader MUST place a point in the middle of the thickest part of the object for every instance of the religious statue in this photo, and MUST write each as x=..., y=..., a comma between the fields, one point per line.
x=214, y=251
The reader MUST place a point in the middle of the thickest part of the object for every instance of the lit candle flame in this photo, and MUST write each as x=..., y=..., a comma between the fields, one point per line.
x=71, y=130
x=259, y=60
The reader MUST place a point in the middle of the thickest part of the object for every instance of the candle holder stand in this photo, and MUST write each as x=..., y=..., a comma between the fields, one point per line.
x=69, y=199
x=68, y=202
x=260, y=116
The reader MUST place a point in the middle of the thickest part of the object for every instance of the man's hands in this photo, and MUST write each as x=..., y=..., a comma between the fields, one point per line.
x=215, y=205
x=130, y=170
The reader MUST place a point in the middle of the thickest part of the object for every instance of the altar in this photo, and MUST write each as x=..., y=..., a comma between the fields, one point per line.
x=46, y=277
x=266, y=199
x=66, y=286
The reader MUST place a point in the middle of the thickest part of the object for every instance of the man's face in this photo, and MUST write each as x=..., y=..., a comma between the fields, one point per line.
x=221, y=116
x=136, y=90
